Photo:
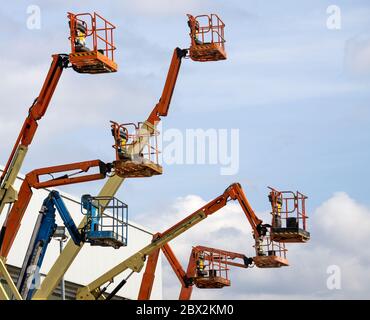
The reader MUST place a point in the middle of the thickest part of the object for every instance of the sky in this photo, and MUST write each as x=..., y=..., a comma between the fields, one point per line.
x=296, y=90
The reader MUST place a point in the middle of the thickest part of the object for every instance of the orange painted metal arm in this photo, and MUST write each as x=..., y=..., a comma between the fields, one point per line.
x=233, y=192
x=210, y=208
x=161, y=108
x=12, y=223
x=230, y=255
x=186, y=291
x=236, y=192
x=175, y=264
x=148, y=276
x=39, y=107
x=32, y=180
x=34, y=176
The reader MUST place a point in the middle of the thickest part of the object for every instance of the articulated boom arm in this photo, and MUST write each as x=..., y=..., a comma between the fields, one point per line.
x=33, y=180
x=25, y=137
x=161, y=108
x=42, y=234
x=226, y=254
x=148, y=276
x=55, y=200
x=235, y=191
x=185, y=277
x=136, y=261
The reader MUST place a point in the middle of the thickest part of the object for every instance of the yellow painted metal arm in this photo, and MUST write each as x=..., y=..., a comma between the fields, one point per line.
x=7, y=192
x=4, y=272
x=3, y=294
x=136, y=261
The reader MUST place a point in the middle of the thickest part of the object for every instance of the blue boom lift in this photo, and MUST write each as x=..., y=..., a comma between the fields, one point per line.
x=102, y=229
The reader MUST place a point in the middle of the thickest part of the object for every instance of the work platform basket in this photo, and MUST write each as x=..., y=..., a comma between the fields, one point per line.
x=107, y=221
x=269, y=253
x=212, y=271
x=137, y=153
x=289, y=219
x=207, y=38
x=92, y=43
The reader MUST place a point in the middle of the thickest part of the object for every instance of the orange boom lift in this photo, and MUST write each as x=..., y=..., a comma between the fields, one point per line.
x=72, y=173
x=92, y=51
x=269, y=254
x=145, y=162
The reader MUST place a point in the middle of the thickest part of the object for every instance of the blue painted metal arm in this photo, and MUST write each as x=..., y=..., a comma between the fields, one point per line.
x=66, y=217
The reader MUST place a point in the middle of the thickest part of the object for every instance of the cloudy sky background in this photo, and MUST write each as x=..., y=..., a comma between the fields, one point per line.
x=298, y=93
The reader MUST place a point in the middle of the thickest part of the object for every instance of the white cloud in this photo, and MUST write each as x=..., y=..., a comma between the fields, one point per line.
x=344, y=222
x=339, y=229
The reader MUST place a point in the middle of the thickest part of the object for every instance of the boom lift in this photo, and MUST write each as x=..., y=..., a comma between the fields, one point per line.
x=269, y=253
x=148, y=128
x=96, y=60
x=73, y=173
x=108, y=230
x=269, y=258
x=211, y=49
x=131, y=140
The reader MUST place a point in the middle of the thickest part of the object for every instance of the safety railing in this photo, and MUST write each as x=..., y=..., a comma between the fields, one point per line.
x=107, y=219
x=94, y=30
x=268, y=247
x=207, y=29
x=130, y=135
x=288, y=209
x=215, y=264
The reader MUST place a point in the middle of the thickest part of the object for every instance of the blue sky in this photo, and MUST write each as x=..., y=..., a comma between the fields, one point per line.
x=298, y=93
